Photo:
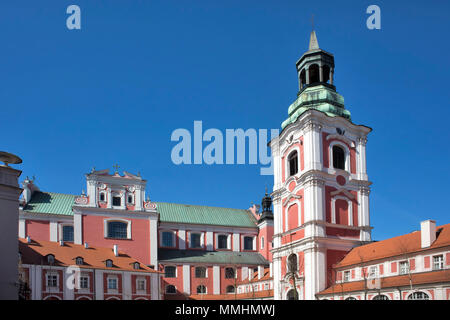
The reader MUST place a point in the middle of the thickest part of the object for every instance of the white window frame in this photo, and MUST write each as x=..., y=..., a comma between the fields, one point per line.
x=121, y=195
x=349, y=206
x=228, y=241
x=286, y=215
x=373, y=272
x=105, y=226
x=202, y=239
x=132, y=198
x=346, y=154
x=47, y=276
x=138, y=280
x=262, y=243
x=253, y=242
x=112, y=290
x=161, y=242
x=176, y=271
x=86, y=276
x=195, y=272
x=225, y=272
x=440, y=263
x=347, y=276
x=287, y=166
x=104, y=195
x=61, y=228
x=401, y=269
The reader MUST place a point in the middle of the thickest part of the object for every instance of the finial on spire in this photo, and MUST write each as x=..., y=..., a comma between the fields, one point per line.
x=313, y=43
x=116, y=167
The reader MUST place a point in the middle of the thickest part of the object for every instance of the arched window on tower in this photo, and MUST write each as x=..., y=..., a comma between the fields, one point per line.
x=314, y=74
x=302, y=78
x=293, y=163
x=326, y=73
x=338, y=157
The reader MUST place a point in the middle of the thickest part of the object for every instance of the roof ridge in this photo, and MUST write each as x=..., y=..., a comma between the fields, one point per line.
x=199, y=205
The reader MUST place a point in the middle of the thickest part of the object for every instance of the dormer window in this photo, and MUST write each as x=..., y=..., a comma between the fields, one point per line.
x=79, y=261
x=116, y=201
x=109, y=263
x=293, y=163
x=136, y=266
x=50, y=259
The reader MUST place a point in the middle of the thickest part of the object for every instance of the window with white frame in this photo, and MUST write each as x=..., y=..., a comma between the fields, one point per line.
x=170, y=272
x=346, y=276
x=404, y=267
x=52, y=280
x=109, y=263
x=293, y=163
x=67, y=233
x=116, y=201
x=373, y=272
x=118, y=229
x=112, y=283
x=140, y=284
x=195, y=240
x=248, y=243
x=262, y=242
x=130, y=199
x=438, y=262
x=84, y=282
x=222, y=241
x=79, y=261
x=102, y=197
x=230, y=273
x=167, y=239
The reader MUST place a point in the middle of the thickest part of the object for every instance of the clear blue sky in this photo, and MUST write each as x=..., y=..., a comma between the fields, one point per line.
x=116, y=89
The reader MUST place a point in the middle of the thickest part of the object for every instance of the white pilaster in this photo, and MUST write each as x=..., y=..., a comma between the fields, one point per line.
x=77, y=228
x=154, y=242
x=22, y=228
x=126, y=286
x=53, y=231
x=98, y=285
x=209, y=241
x=216, y=279
x=236, y=242
x=187, y=279
x=182, y=239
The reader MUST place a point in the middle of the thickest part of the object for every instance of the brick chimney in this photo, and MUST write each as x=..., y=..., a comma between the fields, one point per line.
x=427, y=233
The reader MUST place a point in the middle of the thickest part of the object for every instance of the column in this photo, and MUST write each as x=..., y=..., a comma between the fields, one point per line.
x=236, y=242
x=154, y=242
x=98, y=285
x=361, y=158
x=209, y=241
x=331, y=76
x=313, y=146
x=182, y=239
x=307, y=76
x=277, y=278
x=126, y=286
x=321, y=73
x=315, y=272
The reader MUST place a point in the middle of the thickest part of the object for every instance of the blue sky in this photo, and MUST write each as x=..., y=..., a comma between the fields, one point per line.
x=137, y=70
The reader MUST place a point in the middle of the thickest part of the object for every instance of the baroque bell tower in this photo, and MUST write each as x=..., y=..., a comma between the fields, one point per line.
x=321, y=188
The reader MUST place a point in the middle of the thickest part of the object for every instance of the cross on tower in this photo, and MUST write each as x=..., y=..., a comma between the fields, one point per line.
x=116, y=166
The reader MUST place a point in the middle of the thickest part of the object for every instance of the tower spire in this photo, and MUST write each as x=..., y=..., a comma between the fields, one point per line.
x=313, y=43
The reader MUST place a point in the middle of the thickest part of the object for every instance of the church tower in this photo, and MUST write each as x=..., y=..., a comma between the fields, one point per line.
x=321, y=188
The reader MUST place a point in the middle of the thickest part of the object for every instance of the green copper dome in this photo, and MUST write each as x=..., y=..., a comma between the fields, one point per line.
x=321, y=98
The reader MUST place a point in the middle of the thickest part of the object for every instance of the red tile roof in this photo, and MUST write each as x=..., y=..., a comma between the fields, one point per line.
x=407, y=243
x=391, y=282
x=232, y=296
x=94, y=257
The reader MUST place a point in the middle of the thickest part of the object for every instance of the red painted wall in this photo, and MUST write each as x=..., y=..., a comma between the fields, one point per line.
x=38, y=230
x=138, y=247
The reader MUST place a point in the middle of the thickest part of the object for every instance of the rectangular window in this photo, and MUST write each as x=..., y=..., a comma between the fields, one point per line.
x=141, y=285
x=373, y=272
x=346, y=276
x=438, y=262
x=112, y=284
x=67, y=233
x=52, y=281
x=222, y=241
x=167, y=239
x=169, y=272
x=84, y=282
x=195, y=240
x=248, y=243
x=404, y=267
x=116, y=201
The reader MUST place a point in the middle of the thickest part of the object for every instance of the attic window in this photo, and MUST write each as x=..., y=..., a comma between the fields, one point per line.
x=50, y=259
x=79, y=261
x=136, y=266
x=109, y=263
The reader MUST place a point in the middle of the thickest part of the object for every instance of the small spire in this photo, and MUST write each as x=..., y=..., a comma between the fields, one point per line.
x=313, y=43
x=116, y=167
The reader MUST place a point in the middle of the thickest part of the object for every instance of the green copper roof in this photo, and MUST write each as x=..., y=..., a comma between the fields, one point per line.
x=183, y=213
x=61, y=204
x=50, y=203
x=319, y=98
x=225, y=257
